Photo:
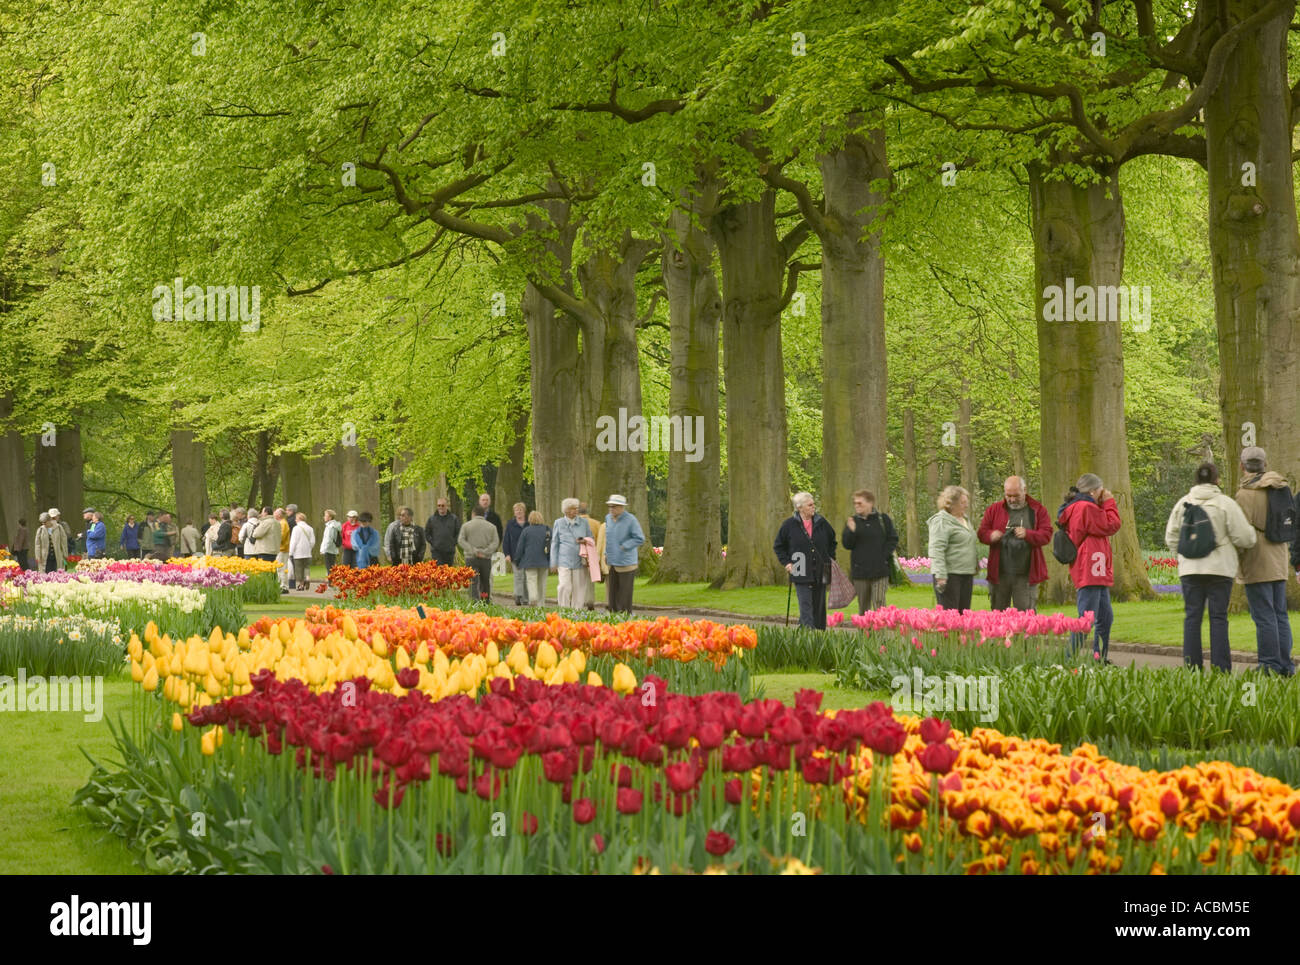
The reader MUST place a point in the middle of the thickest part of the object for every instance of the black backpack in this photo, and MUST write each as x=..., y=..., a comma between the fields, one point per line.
x=1280, y=521
x=1063, y=547
x=1196, y=536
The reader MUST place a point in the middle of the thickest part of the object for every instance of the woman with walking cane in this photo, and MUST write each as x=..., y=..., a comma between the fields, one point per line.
x=805, y=546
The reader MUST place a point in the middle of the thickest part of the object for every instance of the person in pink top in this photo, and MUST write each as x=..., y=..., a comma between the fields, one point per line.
x=1090, y=518
x=350, y=524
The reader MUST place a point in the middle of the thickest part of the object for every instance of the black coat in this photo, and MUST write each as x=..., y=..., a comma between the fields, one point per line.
x=441, y=533
x=870, y=546
x=818, y=553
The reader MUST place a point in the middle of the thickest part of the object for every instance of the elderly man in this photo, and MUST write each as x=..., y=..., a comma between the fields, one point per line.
x=478, y=540
x=622, y=537
x=51, y=545
x=571, y=538
x=404, y=541
x=1015, y=530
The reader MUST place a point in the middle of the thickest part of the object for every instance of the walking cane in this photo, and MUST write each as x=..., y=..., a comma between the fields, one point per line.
x=789, y=589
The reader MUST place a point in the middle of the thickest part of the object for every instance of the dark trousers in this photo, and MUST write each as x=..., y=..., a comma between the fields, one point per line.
x=51, y=561
x=1012, y=591
x=482, y=586
x=812, y=604
x=1095, y=600
x=349, y=557
x=956, y=594
x=1199, y=590
x=21, y=557
x=1272, y=628
x=444, y=559
x=269, y=557
x=330, y=560
x=618, y=590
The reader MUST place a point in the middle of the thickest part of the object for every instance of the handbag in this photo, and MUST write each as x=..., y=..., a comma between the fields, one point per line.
x=842, y=590
x=896, y=575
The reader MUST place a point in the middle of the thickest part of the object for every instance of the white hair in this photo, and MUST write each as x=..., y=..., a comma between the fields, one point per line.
x=566, y=503
x=801, y=498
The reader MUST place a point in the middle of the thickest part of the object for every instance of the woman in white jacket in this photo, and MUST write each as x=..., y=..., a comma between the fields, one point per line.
x=301, y=541
x=1208, y=578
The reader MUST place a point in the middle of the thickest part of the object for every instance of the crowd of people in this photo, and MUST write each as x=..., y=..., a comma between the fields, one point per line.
x=1252, y=538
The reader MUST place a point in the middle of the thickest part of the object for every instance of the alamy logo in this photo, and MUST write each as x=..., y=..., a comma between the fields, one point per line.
x=216, y=303
x=76, y=694
x=130, y=918
x=1098, y=303
x=659, y=433
x=931, y=694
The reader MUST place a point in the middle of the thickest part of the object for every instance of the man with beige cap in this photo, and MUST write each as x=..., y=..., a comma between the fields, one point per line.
x=1266, y=499
x=622, y=537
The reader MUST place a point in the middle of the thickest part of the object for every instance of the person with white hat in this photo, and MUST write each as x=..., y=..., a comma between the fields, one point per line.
x=622, y=537
x=350, y=525
x=51, y=544
x=68, y=541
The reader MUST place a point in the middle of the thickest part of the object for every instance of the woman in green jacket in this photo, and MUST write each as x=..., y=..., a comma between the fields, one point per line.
x=954, y=550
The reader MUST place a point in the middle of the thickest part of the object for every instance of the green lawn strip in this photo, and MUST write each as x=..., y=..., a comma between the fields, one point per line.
x=782, y=686
x=41, y=768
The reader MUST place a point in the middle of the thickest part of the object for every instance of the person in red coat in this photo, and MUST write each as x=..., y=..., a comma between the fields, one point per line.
x=1090, y=518
x=1015, y=530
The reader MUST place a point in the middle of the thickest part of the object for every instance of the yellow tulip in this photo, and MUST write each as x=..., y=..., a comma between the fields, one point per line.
x=593, y=680
x=177, y=721
x=349, y=628
x=546, y=656
x=567, y=673
x=624, y=679
x=215, y=639
x=217, y=666
x=501, y=670
x=151, y=632
x=403, y=658
x=212, y=686
x=134, y=648
x=208, y=742
x=378, y=645
x=578, y=659
x=245, y=641
x=422, y=652
x=137, y=672
x=150, y=680
x=440, y=661
x=491, y=654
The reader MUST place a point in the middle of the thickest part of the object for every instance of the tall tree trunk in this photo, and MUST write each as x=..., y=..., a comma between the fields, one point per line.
x=911, y=504
x=609, y=285
x=693, y=537
x=559, y=448
x=297, y=486
x=265, y=469
x=1254, y=247
x=189, y=479
x=970, y=478
x=15, y=476
x=510, y=474
x=854, y=415
x=1079, y=236
x=753, y=269
x=70, y=464
x=46, y=471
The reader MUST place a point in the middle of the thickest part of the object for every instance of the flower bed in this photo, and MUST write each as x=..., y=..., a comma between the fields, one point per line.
x=899, y=641
x=131, y=604
x=576, y=778
x=46, y=646
x=401, y=585
x=263, y=581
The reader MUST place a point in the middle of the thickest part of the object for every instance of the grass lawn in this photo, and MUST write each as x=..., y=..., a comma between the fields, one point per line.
x=1156, y=621
x=40, y=769
x=783, y=685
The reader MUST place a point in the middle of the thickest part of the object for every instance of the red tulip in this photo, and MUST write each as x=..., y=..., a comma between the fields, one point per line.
x=629, y=801
x=938, y=758
x=584, y=810
x=935, y=731
x=718, y=843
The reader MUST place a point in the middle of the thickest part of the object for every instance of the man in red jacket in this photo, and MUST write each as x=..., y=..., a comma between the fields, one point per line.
x=1015, y=530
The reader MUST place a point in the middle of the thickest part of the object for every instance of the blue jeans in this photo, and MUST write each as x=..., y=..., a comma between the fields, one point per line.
x=1197, y=591
x=1272, y=629
x=812, y=604
x=1097, y=600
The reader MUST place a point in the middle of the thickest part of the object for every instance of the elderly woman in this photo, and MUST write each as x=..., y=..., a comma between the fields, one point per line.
x=805, y=546
x=571, y=540
x=954, y=550
x=510, y=546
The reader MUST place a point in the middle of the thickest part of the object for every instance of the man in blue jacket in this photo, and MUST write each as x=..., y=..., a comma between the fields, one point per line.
x=96, y=534
x=622, y=537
